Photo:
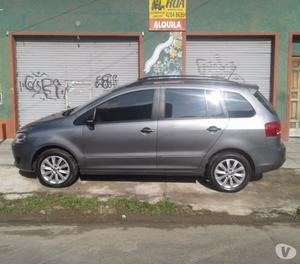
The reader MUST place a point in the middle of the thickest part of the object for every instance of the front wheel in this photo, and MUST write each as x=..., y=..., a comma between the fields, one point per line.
x=229, y=172
x=56, y=168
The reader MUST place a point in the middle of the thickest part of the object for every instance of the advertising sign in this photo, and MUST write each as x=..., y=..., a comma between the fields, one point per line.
x=167, y=15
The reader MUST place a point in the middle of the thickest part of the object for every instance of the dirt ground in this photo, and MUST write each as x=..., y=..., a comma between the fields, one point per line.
x=162, y=221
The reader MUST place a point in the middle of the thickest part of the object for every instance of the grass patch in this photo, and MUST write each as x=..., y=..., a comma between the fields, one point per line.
x=137, y=207
x=49, y=204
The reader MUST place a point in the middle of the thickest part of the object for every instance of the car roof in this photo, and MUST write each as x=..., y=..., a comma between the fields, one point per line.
x=185, y=80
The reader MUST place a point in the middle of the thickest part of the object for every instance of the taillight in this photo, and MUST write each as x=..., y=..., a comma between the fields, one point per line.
x=272, y=129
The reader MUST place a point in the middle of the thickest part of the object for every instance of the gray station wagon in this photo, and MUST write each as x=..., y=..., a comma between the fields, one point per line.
x=211, y=127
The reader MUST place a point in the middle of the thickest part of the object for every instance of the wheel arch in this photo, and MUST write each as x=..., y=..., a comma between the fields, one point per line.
x=52, y=146
x=245, y=154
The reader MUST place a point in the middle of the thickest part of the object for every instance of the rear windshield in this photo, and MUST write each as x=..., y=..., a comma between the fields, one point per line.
x=264, y=102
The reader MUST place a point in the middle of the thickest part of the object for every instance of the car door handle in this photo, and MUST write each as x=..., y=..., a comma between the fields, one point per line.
x=213, y=129
x=147, y=130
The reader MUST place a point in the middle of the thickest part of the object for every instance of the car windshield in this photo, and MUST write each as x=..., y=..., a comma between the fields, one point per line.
x=79, y=107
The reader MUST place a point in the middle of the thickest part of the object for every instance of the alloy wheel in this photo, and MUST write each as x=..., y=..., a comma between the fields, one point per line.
x=230, y=173
x=55, y=170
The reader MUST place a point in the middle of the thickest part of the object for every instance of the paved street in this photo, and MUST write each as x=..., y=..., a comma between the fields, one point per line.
x=93, y=244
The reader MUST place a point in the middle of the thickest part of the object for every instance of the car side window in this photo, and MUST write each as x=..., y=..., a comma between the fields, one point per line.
x=131, y=106
x=185, y=103
x=237, y=106
x=214, y=105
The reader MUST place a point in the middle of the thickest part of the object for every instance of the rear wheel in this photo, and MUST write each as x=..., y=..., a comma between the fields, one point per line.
x=56, y=168
x=229, y=171
x=257, y=177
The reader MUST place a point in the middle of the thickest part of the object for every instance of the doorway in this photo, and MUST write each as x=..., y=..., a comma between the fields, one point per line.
x=294, y=122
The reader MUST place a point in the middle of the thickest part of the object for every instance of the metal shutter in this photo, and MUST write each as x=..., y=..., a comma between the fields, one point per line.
x=241, y=59
x=56, y=73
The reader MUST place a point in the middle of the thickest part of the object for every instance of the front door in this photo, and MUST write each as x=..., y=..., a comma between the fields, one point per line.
x=186, y=131
x=295, y=100
x=124, y=133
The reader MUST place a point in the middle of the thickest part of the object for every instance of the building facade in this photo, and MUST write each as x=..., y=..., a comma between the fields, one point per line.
x=58, y=54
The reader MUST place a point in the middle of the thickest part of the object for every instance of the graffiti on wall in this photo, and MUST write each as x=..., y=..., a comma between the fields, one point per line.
x=40, y=83
x=218, y=67
x=167, y=57
x=107, y=81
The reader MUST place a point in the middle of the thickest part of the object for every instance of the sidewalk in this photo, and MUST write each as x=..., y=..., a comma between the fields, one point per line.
x=6, y=157
x=292, y=155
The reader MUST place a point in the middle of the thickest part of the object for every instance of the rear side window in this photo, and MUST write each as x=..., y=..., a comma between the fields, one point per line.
x=132, y=106
x=264, y=102
x=214, y=106
x=237, y=106
x=185, y=103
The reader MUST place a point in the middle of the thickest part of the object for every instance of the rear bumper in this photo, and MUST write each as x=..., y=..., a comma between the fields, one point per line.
x=276, y=157
x=23, y=155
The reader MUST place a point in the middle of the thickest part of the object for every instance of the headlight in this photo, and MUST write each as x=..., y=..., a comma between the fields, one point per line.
x=20, y=137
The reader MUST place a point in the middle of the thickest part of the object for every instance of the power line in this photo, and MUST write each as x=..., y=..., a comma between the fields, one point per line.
x=55, y=16
x=87, y=4
x=59, y=15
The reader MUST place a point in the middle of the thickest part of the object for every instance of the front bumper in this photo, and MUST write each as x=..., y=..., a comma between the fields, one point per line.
x=23, y=156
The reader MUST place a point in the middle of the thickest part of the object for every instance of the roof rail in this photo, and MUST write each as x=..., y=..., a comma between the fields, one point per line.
x=182, y=77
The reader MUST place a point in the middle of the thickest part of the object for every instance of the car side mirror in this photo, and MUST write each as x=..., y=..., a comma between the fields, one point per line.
x=90, y=123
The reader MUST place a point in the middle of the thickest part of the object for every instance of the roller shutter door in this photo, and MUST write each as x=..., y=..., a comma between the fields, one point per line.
x=240, y=59
x=56, y=73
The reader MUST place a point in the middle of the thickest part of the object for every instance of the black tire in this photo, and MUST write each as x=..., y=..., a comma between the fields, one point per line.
x=67, y=157
x=222, y=156
x=257, y=177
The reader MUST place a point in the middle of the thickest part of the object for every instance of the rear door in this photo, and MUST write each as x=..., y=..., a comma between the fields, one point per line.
x=190, y=122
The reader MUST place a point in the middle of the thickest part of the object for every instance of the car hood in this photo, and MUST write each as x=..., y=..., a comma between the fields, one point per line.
x=45, y=119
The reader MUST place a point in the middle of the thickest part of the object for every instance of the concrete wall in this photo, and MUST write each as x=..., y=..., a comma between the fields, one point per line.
x=132, y=16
